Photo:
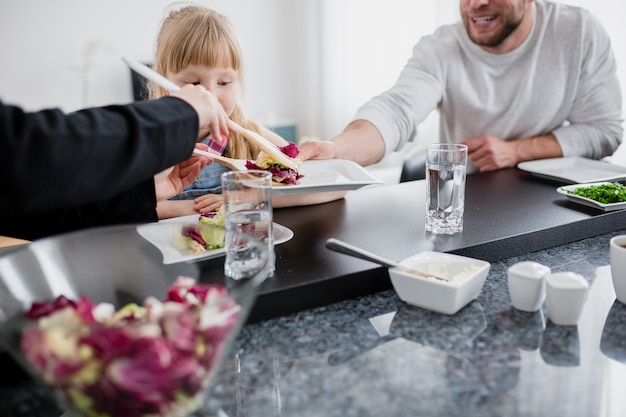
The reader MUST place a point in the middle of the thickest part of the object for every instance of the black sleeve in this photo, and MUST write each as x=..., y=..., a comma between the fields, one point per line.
x=52, y=161
x=136, y=205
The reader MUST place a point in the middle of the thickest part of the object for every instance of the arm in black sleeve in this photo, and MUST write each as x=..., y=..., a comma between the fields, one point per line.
x=50, y=160
x=136, y=205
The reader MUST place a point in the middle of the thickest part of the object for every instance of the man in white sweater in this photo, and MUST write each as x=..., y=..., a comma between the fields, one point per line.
x=515, y=80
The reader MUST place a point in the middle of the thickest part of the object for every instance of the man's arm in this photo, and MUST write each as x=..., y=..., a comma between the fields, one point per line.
x=360, y=142
x=490, y=153
x=595, y=118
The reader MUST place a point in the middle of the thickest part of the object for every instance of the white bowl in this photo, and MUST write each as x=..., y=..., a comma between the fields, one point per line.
x=466, y=277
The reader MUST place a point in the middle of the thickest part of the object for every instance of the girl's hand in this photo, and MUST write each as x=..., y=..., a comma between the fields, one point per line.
x=208, y=203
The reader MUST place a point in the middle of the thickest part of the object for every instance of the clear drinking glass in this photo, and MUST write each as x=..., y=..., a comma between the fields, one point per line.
x=247, y=208
x=446, y=164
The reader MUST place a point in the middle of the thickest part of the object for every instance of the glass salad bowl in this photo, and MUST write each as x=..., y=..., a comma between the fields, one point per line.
x=99, y=318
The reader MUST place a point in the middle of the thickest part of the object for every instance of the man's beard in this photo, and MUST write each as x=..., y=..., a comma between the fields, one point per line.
x=510, y=25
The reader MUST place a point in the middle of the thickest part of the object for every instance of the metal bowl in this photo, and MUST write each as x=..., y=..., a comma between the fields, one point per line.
x=117, y=265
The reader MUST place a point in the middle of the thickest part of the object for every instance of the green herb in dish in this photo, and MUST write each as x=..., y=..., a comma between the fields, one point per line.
x=604, y=193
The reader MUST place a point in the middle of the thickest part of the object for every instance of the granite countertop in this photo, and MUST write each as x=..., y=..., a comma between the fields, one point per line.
x=377, y=356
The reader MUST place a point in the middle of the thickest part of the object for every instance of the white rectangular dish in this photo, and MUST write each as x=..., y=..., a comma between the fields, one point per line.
x=574, y=170
x=161, y=235
x=587, y=201
x=329, y=175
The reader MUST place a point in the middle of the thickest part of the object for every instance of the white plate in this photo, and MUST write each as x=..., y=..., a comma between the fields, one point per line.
x=587, y=201
x=329, y=175
x=160, y=235
x=574, y=170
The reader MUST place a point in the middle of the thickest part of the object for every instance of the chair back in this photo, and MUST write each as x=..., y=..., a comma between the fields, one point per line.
x=414, y=166
x=140, y=90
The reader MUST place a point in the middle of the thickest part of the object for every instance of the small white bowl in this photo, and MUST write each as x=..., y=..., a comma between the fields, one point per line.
x=466, y=277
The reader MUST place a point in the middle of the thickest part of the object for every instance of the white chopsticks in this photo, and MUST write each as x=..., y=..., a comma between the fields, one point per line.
x=267, y=146
x=234, y=164
x=150, y=74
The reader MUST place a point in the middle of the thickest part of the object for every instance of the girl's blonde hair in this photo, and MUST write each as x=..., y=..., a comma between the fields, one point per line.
x=196, y=35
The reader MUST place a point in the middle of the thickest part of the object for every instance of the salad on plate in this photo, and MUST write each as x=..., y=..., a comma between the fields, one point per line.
x=203, y=239
x=281, y=174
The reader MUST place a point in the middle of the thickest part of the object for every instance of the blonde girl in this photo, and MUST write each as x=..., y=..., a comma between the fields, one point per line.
x=197, y=45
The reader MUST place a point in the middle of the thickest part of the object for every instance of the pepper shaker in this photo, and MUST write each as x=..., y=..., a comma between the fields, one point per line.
x=527, y=285
x=566, y=295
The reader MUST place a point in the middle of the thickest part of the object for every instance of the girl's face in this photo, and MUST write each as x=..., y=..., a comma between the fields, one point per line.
x=223, y=82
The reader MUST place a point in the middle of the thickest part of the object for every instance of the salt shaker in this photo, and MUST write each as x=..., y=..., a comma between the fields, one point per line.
x=527, y=285
x=566, y=296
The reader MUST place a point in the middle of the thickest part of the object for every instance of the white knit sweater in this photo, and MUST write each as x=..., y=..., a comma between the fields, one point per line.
x=562, y=79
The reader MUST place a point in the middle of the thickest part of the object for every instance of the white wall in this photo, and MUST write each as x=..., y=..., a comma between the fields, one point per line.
x=45, y=44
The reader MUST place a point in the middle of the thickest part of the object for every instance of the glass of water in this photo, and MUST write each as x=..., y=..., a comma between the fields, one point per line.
x=247, y=208
x=446, y=164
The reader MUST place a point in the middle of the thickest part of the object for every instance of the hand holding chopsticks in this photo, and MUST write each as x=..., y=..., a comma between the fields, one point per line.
x=265, y=145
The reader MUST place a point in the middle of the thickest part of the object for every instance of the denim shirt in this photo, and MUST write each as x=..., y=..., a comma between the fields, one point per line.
x=208, y=182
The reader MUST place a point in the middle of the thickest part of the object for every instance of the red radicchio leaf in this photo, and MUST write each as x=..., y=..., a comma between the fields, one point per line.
x=183, y=286
x=282, y=175
x=84, y=307
x=291, y=150
x=38, y=310
x=192, y=233
x=208, y=215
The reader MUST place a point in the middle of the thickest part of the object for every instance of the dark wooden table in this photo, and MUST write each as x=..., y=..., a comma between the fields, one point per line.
x=507, y=213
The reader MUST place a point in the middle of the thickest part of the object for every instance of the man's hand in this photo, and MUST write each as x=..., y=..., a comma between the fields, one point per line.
x=173, y=180
x=314, y=149
x=212, y=119
x=360, y=142
x=490, y=153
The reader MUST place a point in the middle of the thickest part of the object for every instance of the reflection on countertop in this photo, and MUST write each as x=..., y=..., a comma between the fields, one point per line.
x=377, y=356
x=613, y=341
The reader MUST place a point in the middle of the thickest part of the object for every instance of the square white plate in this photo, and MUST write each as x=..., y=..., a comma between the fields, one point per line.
x=161, y=235
x=574, y=170
x=587, y=201
x=329, y=175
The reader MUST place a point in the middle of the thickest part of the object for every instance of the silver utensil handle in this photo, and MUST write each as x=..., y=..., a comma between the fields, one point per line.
x=347, y=249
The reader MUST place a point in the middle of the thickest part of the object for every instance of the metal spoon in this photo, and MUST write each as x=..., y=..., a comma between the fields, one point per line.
x=348, y=249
